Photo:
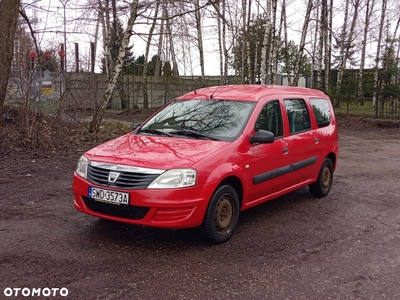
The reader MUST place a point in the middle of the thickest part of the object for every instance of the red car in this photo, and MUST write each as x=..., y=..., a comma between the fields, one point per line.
x=210, y=154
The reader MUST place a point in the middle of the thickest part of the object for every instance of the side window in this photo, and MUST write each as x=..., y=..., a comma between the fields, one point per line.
x=298, y=115
x=270, y=119
x=322, y=111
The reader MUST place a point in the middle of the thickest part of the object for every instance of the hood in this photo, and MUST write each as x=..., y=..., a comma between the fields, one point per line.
x=156, y=152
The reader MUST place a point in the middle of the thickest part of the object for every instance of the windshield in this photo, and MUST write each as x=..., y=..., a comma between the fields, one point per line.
x=204, y=119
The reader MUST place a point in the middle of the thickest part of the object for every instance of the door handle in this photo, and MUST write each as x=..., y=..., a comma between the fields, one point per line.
x=285, y=150
x=316, y=140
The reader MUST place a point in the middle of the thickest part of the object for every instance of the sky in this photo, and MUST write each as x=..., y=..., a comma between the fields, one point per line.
x=50, y=25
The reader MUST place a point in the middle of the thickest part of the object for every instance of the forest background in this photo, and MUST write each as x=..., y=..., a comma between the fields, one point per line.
x=349, y=48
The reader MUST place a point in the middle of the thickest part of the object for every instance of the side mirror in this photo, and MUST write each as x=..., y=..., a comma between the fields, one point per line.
x=262, y=137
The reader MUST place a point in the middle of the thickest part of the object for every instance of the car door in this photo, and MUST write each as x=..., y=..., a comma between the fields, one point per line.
x=302, y=141
x=268, y=164
x=324, y=129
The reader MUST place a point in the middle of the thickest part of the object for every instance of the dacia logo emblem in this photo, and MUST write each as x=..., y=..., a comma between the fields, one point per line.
x=113, y=176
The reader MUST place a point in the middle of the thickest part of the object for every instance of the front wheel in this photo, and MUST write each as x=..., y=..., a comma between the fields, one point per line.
x=222, y=216
x=322, y=186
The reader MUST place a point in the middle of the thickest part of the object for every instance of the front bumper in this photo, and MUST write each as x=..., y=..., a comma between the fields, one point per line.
x=163, y=208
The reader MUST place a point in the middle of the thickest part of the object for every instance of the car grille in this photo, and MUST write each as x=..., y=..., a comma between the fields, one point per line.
x=126, y=180
x=123, y=211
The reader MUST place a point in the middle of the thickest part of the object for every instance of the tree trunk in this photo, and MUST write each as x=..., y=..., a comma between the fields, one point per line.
x=378, y=52
x=146, y=57
x=244, y=37
x=368, y=16
x=302, y=43
x=171, y=46
x=314, y=50
x=220, y=47
x=347, y=39
x=397, y=58
x=342, y=59
x=200, y=42
x=327, y=67
x=104, y=11
x=278, y=38
x=160, y=41
x=226, y=58
x=246, y=77
x=266, y=44
x=320, y=52
x=285, y=40
x=273, y=49
x=8, y=24
x=394, y=78
x=99, y=112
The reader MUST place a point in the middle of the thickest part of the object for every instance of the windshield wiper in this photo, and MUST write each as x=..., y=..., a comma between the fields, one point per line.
x=154, y=131
x=193, y=134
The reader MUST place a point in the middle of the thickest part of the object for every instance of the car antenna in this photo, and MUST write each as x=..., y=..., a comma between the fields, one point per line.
x=212, y=95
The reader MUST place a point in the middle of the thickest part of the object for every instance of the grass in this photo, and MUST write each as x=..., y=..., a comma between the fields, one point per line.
x=356, y=109
x=45, y=107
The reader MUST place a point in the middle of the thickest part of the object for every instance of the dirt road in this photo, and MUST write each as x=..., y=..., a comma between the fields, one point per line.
x=346, y=246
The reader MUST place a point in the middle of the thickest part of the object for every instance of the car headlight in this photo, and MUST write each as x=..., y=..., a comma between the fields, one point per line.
x=81, y=168
x=175, y=178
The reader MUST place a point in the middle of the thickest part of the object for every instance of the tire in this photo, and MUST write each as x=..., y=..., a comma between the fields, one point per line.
x=323, y=185
x=222, y=216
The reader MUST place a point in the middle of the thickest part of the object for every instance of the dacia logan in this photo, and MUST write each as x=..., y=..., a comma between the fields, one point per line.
x=208, y=155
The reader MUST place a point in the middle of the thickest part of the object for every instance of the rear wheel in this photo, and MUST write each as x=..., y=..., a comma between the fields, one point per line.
x=322, y=186
x=221, y=216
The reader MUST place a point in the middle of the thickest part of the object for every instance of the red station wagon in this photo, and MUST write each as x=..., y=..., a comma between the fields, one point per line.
x=210, y=154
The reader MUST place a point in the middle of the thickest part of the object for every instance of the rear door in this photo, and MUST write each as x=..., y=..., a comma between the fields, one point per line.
x=323, y=118
x=303, y=141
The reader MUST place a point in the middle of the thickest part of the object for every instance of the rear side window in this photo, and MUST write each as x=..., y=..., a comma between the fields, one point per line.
x=298, y=115
x=322, y=111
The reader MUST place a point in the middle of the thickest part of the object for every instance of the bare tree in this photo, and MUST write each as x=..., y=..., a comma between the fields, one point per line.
x=285, y=39
x=378, y=51
x=244, y=42
x=246, y=72
x=223, y=40
x=368, y=16
x=346, y=43
x=273, y=47
x=326, y=15
x=392, y=40
x=220, y=47
x=146, y=56
x=8, y=25
x=175, y=69
x=104, y=14
x=314, y=47
x=161, y=38
x=99, y=112
x=266, y=44
x=320, y=52
x=302, y=43
x=199, y=30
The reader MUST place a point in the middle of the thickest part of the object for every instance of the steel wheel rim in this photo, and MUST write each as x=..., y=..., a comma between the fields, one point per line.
x=223, y=214
x=326, y=177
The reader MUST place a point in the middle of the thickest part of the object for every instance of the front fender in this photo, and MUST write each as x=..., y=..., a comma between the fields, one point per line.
x=229, y=170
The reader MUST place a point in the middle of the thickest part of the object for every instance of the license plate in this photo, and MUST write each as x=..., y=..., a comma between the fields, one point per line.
x=108, y=196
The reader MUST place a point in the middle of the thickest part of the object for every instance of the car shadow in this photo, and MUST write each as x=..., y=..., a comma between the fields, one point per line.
x=149, y=238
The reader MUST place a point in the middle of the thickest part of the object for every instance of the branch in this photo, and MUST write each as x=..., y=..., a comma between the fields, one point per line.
x=25, y=17
x=183, y=13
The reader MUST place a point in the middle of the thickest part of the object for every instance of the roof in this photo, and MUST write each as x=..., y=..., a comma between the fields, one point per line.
x=249, y=92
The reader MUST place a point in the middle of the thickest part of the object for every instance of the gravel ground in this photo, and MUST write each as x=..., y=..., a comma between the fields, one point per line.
x=345, y=246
